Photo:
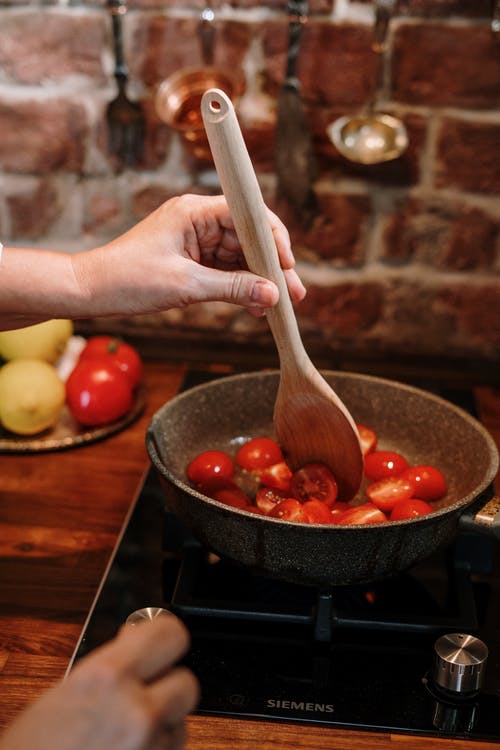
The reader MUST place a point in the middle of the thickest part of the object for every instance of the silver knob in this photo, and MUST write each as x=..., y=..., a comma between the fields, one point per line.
x=146, y=613
x=460, y=662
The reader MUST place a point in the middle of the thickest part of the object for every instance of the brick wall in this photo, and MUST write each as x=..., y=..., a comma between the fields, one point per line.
x=401, y=259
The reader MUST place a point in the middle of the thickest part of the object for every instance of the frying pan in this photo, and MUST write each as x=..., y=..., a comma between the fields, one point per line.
x=425, y=428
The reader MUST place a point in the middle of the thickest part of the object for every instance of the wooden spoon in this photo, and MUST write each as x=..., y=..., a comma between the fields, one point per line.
x=310, y=420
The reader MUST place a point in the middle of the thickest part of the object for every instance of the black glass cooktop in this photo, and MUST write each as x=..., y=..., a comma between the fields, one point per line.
x=354, y=657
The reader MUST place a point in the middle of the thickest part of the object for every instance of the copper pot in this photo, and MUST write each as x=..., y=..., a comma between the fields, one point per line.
x=178, y=100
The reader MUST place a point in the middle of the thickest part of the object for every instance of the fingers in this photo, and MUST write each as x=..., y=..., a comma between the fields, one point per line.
x=173, y=697
x=147, y=650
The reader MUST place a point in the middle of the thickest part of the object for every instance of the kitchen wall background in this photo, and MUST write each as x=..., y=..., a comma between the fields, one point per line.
x=401, y=260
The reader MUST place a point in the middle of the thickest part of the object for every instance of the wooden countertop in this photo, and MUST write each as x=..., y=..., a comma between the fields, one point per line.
x=60, y=514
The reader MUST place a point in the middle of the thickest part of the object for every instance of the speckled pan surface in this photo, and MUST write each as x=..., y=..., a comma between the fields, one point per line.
x=425, y=428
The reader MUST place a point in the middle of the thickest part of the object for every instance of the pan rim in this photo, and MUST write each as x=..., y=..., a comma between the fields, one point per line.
x=462, y=503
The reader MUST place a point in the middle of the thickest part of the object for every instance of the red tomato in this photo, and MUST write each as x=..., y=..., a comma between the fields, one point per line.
x=337, y=509
x=387, y=492
x=267, y=497
x=288, y=510
x=430, y=484
x=97, y=392
x=277, y=476
x=361, y=514
x=209, y=464
x=380, y=464
x=411, y=508
x=259, y=453
x=122, y=354
x=232, y=496
x=314, y=511
x=368, y=439
x=314, y=480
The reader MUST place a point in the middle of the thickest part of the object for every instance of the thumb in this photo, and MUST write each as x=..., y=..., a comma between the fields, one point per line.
x=239, y=287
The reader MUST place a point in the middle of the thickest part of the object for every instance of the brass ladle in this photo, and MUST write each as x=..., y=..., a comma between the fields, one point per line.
x=372, y=137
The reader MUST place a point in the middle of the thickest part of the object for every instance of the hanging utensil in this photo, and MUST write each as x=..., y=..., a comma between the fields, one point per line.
x=179, y=96
x=310, y=421
x=295, y=164
x=372, y=137
x=125, y=118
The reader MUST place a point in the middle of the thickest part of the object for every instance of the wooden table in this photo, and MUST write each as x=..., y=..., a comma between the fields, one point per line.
x=60, y=514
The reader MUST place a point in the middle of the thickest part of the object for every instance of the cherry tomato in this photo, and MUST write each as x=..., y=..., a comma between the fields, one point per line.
x=387, y=492
x=122, y=354
x=337, y=509
x=267, y=497
x=411, y=508
x=209, y=464
x=429, y=482
x=97, y=392
x=361, y=514
x=288, y=510
x=314, y=480
x=259, y=453
x=277, y=476
x=381, y=464
x=367, y=438
x=314, y=511
x=232, y=496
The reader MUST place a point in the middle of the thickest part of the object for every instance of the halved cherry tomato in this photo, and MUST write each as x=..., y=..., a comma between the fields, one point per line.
x=430, y=483
x=210, y=464
x=314, y=480
x=233, y=496
x=277, y=476
x=411, y=508
x=387, y=492
x=361, y=514
x=314, y=511
x=288, y=510
x=259, y=453
x=337, y=509
x=367, y=438
x=268, y=497
x=122, y=354
x=380, y=464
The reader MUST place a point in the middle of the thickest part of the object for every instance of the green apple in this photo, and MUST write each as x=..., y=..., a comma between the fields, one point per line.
x=32, y=396
x=45, y=340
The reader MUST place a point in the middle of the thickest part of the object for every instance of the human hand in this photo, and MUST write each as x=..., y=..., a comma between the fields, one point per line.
x=184, y=252
x=126, y=695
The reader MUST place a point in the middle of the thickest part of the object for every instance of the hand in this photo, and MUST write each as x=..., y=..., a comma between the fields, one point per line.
x=186, y=251
x=126, y=695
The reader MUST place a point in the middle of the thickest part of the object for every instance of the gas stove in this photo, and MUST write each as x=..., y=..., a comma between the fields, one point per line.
x=368, y=657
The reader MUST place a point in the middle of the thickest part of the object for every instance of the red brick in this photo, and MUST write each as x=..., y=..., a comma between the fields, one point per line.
x=336, y=66
x=42, y=135
x=435, y=8
x=50, y=45
x=103, y=211
x=467, y=156
x=343, y=310
x=441, y=234
x=162, y=45
x=474, y=311
x=33, y=210
x=437, y=64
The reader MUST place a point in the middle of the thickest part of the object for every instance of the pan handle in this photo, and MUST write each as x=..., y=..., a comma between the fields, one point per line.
x=485, y=519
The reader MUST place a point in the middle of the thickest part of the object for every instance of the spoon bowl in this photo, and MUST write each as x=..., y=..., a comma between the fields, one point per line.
x=369, y=139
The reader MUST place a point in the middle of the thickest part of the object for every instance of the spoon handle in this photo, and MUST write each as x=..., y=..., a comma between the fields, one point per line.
x=251, y=220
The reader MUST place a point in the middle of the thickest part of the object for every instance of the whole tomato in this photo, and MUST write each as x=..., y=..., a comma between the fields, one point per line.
x=119, y=352
x=98, y=392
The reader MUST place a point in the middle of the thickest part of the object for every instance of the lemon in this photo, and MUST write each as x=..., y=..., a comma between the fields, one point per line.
x=45, y=340
x=32, y=396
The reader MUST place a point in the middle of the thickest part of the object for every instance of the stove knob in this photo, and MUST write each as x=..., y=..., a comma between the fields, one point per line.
x=460, y=662
x=147, y=613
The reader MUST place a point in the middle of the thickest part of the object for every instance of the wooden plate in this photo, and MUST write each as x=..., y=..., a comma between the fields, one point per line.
x=68, y=433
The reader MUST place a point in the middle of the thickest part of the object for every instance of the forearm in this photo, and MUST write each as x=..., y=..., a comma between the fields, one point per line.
x=36, y=285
